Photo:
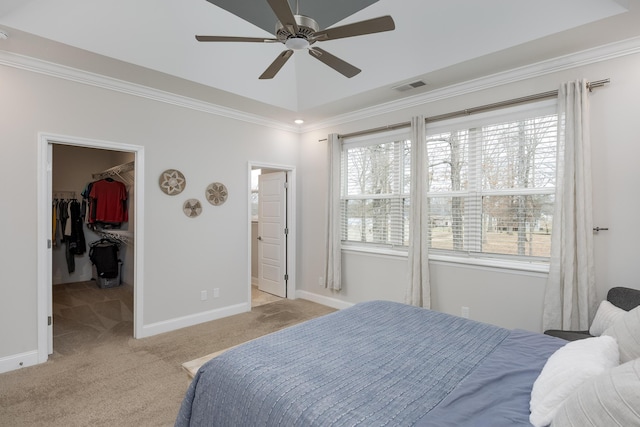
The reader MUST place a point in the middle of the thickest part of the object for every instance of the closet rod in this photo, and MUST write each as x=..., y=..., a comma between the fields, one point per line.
x=474, y=110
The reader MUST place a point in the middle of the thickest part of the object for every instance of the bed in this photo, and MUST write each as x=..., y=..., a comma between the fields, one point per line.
x=376, y=363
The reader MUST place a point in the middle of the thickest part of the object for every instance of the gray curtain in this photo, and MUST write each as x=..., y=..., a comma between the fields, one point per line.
x=419, y=289
x=570, y=300
x=333, y=267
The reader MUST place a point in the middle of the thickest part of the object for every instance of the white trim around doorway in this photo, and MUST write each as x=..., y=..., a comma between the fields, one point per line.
x=291, y=224
x=44, y=230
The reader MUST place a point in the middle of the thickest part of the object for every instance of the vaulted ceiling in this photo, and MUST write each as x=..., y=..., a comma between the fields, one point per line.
x=441, y=42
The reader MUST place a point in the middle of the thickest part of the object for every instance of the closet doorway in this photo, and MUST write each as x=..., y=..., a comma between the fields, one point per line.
x=69, y=287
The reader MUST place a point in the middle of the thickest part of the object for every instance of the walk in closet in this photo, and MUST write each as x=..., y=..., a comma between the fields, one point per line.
x=92, y=194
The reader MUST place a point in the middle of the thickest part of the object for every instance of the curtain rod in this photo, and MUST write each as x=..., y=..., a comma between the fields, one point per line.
x=473, y=110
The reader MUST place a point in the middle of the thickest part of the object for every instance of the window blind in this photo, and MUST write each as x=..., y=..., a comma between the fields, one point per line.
x=491, y=183
x=375, y=189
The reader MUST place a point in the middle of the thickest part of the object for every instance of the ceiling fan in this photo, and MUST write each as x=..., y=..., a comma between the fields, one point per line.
x=299, y=32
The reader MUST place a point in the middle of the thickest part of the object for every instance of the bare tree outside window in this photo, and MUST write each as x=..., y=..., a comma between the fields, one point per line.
x=491, y=188
x=375, y=192
x=448, y=165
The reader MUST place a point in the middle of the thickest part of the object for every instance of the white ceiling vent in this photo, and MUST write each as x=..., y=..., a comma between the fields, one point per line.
x=409, y=86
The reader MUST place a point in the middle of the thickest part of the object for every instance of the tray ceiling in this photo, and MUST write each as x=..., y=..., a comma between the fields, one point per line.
x=441, y=42
x=325, y=12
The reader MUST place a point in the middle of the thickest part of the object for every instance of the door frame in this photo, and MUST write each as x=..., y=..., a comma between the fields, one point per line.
x=291, y=224
x=44, y=230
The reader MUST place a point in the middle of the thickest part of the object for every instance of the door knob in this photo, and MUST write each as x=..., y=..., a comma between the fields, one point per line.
x=259, y=237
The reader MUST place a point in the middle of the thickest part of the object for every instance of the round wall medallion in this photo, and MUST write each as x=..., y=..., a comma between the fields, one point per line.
x=192, y=208
x=216, y=193
x=172, y=182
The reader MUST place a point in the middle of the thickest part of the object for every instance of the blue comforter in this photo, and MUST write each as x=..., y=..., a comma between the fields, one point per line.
x=376, y=363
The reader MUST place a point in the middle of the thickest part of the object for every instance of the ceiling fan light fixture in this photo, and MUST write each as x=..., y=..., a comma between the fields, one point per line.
x=297, y=43
x=299, y=32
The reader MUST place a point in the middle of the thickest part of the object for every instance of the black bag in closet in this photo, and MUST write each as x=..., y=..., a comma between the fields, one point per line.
x=104, y=255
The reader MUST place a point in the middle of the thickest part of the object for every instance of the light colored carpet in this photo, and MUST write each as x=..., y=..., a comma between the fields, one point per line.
x=101, y=376
x=85, y=315
x=259, y=297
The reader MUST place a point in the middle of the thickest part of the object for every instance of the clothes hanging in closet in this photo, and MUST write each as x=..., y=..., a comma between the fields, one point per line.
x=106, y=202
x=76, y=238
x=54, y=223
x=70, y=227
x=63, y=217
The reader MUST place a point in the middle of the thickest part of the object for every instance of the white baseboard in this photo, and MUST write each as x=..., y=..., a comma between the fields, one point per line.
x=195, y=319
x=254, y=281
x=17, y=361
x=320, y=299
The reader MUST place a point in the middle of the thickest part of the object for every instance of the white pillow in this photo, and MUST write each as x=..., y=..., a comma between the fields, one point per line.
x=610, y=399
x=626, y=331
x=566, y=370
x=607, y=315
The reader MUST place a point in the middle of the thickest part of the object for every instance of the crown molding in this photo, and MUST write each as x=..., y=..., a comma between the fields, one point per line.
x=88, y=78
x=590, y=56
x=574, y=60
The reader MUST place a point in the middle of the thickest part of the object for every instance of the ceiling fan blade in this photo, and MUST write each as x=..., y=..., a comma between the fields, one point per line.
x=233, y=39
x=275, y=66
x=283, y=13
x=369, y=26
x=334, y=62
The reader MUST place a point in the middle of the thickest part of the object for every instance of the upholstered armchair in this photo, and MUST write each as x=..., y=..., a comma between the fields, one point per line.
x=624, y=298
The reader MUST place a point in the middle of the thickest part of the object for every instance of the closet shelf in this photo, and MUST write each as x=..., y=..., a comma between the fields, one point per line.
x=125, y=175
x=62, y=194
x=117, y=171
x=122, y=236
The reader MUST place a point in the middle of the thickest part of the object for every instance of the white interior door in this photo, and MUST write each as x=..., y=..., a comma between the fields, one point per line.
x=272, y=234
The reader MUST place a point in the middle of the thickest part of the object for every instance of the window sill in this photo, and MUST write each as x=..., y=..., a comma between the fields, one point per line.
x=502, y=264
x=471, y=262
x=400, y=253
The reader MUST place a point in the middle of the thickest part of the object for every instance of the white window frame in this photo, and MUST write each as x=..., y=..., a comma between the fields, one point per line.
x=255, y=173
x=394, y=247
x=514, y=113
x=532, y=266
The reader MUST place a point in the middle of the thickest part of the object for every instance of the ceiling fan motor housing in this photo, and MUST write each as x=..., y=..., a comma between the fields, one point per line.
x=307, y=27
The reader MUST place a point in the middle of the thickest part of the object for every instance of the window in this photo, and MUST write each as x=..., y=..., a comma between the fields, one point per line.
x=375, y=187
x=491, y=183
x=255, y=173
x=490, y=186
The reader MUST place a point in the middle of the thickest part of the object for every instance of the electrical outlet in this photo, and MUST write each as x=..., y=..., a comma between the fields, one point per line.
x=216, y=292
x=320, y=281
x=203, y=295
x=465, y=312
